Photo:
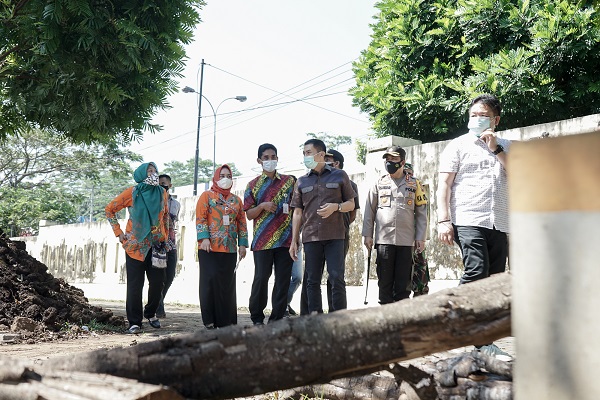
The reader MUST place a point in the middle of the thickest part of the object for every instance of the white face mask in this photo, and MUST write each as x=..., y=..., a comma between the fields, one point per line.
x=269, y=165
x=478, y=124
x=225, y=183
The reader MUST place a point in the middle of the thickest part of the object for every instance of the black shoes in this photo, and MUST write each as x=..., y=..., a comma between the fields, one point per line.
x=258, y=323
x=154, y=322
x=291, y=310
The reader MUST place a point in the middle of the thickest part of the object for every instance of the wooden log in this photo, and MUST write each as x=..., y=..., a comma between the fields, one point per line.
x=23, y=383
x=241, y=361
x=470, y=375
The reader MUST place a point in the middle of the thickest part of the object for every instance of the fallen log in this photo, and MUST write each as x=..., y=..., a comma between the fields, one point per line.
x=472, y=375
x=241, y=361
x=18, y=382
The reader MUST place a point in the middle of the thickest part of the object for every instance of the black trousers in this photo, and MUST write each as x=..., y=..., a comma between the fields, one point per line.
x=394, y=272
x=137, y=271
x=169, y=276
x=484, y=251
x=218, y=302
x=316, y=254
x=304, y=299
x=264, y=262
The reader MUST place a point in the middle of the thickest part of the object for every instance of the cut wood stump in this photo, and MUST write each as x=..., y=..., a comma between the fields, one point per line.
x=240, y=361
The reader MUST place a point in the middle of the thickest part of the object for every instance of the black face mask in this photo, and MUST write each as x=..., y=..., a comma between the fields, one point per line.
x=165, y=187
x=392, y=166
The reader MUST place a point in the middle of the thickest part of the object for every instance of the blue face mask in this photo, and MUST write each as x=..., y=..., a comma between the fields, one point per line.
x=309, y=162
x=478, y=124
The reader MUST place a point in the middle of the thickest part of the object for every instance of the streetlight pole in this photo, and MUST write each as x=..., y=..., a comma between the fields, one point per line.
x=188, y=89
x=238, y=98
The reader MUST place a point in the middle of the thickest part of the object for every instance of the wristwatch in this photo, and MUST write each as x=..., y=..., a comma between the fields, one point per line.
x=339, y=207
x=498, y=150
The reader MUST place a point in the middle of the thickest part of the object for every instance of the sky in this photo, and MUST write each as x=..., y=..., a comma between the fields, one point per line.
x=272, y=52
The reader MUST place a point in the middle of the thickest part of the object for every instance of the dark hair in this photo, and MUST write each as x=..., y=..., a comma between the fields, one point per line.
x=264, y=147
x=489, y=100
x=337, y=156
x=165, y=176
x=317, y=144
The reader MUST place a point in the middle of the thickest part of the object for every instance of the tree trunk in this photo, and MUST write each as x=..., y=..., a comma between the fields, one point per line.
x=17, y=382
x=240, y=361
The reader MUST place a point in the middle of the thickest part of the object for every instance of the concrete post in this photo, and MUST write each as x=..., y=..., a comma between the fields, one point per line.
x=555, y=231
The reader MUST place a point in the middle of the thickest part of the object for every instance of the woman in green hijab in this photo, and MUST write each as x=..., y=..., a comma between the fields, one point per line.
x=145, y=234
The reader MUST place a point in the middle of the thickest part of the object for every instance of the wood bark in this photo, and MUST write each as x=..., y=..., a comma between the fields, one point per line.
x=241, y=360
x=469, y=376
x=23, y=383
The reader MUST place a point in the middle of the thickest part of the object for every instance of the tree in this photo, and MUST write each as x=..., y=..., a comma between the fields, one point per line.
x=21, y=209
x=43, y=176
x=90, y=71
x=331, y=141
x=34, y=158
x=182, y=173
x=429, y=58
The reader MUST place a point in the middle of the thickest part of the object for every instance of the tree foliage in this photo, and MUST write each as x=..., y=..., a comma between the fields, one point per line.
x=429, y=58
x=182, y=173
x=90, y=70
x=332, y=141
x=36, y=157
x=43, y=176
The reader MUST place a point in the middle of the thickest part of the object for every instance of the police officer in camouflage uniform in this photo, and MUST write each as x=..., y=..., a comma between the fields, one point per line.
x=395, y=215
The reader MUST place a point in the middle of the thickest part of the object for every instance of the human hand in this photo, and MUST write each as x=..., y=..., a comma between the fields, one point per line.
x=242, y=252
x=489, y=137
x=419, y=245
x=294, y=250
x=327, y=209
x=369, y=243
x=205, y=245
x=269, y=206
x=446, y=233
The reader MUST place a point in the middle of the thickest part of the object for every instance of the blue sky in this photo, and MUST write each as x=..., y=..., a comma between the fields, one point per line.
x=257, y=49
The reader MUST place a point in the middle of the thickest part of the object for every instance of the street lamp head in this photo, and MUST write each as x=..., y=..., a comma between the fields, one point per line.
x=188, y=89
x=240, y=98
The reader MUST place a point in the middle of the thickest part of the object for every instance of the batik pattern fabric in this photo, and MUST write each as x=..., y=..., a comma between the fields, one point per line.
x=271, y=230
x=222, y=220
x=137, y=248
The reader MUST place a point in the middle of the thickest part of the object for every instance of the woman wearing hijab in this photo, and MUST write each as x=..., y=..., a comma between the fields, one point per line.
x=147, y=229
x=221, y=228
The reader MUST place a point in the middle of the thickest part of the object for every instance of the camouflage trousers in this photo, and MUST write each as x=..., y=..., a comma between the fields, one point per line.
x=420, y=277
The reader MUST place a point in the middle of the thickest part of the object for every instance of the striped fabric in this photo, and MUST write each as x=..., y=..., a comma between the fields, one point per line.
x=271, y=230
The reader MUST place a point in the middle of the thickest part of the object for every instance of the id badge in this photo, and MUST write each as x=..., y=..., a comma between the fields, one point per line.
x=226, y=220
x=286, y=208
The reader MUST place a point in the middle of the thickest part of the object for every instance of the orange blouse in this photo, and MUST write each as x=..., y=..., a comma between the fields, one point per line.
x=222, y=220
x=133, y=247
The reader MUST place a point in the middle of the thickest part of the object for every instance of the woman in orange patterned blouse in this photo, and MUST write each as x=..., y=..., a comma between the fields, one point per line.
x=146, y=229
x=221, y=228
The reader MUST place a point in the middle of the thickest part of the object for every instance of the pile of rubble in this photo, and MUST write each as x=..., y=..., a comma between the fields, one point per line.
x=33, y=300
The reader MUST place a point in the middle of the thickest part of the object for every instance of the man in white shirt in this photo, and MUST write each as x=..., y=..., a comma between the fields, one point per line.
x=472, y=195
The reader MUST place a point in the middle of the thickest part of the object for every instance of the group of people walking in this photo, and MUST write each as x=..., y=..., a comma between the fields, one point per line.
x=311, y=216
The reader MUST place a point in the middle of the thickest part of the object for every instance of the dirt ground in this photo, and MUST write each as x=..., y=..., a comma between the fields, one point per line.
x=180, y=319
